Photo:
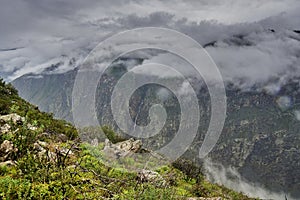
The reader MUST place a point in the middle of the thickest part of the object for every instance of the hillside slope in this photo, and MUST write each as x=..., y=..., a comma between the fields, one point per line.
x=43, y=158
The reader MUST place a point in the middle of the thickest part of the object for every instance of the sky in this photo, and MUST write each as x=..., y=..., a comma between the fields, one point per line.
x=37, y=33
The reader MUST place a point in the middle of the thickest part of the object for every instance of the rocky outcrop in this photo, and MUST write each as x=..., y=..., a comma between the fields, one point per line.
x=44, y=150
x=127, y=149
x=5, y=129
x=204, y=198
x=7, y=150
x=122, y=149
x=7, y=163
x=152, y=177
x=15, y=118
x=6, y=122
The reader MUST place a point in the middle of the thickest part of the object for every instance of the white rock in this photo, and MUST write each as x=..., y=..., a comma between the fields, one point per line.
x=5, y=129
x=15, y=118
x=152, y=177
x=7, y=163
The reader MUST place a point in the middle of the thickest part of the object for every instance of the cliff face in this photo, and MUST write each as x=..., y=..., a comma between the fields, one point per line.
x=262, y=141
x=52, y=93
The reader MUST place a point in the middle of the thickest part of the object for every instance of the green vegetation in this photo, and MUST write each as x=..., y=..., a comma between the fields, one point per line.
x=10, y=102
x=47, y=167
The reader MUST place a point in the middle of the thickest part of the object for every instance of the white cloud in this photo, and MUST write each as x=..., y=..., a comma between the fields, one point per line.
x=297, y=114
x=49, y=30
x=271, y=55
x=284, y=102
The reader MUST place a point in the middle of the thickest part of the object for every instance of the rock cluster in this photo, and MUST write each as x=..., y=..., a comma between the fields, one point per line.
x=5, y=121
x=7, y=150
x=204, y=198
x=43, y=149
x=128, y=148
x=15, y=118
x=152, y=177
x=122, y=149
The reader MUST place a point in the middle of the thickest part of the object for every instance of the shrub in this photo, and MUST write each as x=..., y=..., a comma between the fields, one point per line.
x=111, y=135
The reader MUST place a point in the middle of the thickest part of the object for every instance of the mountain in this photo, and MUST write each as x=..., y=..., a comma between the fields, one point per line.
x=260, y=138
x=43, y=158
x=51, y=93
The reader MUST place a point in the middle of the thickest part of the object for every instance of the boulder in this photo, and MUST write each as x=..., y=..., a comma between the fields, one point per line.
x=62, y=138
x=205, y=198
x=95, y=142
x=122, y=149
x=130, y=145
x=66, y=152
x=40, y=146
x=44, y=151
x=6, y=150
x=31, y=127
x=7, y=163
x=5, y=129
x=152, y=177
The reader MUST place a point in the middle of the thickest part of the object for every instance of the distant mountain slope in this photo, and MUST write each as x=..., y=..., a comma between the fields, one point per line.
x=52, y=93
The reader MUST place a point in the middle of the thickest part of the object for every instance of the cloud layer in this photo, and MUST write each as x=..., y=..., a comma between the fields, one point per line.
x=36, y=34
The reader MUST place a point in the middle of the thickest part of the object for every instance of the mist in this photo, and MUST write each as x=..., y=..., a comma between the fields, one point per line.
x=231, y=178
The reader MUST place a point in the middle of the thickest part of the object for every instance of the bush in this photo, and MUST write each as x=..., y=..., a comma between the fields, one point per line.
x=189, y=168
x=14, y=188
x=112, y=136
x=4, y=106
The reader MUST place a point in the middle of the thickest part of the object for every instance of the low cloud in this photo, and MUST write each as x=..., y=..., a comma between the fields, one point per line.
x=231, y=178
x=62, y=29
